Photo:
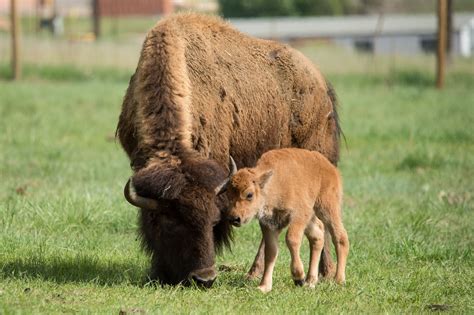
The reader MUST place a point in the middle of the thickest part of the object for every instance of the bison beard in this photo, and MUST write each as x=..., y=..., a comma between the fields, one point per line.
x=201, y=92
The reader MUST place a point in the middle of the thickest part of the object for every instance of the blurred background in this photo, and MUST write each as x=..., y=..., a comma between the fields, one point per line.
x=103, y=37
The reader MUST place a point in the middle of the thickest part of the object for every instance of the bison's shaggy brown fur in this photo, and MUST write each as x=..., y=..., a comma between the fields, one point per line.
x=203, y=91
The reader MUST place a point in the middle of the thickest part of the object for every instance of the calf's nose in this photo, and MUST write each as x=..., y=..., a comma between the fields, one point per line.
x=234, y=220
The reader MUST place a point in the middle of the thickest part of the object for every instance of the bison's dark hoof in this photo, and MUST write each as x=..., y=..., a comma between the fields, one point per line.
x=299, y=283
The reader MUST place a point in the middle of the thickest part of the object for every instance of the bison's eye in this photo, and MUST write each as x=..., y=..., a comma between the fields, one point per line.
x=249, y=196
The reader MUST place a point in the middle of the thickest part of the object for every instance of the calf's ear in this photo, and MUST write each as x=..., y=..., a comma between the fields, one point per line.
x=263, y=178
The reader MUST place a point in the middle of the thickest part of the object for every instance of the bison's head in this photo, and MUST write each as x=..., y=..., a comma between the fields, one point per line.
x=183, y=220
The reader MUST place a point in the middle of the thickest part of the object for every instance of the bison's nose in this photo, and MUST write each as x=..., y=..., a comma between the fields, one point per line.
x=206, y=283
x=204, y=277
x=234, y=220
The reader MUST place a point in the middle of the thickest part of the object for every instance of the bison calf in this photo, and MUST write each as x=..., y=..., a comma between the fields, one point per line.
x=297, y=188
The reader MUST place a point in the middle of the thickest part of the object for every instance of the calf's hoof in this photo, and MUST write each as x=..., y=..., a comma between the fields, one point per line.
x=254, y=272
x=299, y=283
x=311, y=282
x=264, y=289
x=251, y=276
x=340, y=280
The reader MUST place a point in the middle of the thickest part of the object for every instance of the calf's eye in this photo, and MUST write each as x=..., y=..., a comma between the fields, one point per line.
x=249, y=196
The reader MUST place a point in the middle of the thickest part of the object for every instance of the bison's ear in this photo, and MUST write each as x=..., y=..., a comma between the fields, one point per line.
x=159, y=182
x=263, y=178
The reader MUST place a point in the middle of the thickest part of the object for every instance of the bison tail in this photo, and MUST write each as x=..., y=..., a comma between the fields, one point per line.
x=335, y=104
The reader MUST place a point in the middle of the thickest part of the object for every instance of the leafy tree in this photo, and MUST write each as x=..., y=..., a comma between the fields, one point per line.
x=320, y=7
x=256, y=8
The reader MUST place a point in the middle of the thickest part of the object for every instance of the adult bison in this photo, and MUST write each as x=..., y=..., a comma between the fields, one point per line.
x=202, y=92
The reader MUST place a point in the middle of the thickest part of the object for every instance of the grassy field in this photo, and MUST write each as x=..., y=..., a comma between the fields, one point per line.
x=68, y=238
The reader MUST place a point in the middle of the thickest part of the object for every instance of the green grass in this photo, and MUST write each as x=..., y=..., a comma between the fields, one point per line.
x=68, y=238
x=66, y=72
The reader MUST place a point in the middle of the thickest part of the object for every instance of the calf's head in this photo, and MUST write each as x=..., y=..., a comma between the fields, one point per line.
x=182, y=219
x=246, y=196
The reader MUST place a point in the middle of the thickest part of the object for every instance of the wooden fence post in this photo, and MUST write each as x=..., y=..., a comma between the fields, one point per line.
x=441, y=51
x=15, y=34
x=96, y=18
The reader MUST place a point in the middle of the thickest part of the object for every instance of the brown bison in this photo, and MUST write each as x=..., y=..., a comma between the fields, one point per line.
x=203, y=91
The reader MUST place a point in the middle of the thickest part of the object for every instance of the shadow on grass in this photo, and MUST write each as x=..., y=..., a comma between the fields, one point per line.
x=415, y=78
x=421, y=160
x=86, y=269
x=78, y=270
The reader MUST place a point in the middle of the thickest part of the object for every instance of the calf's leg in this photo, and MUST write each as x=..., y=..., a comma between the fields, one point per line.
x=257, y=267
x=315, y=234
x=326, y=265
x=271, y=252
x=332, y=218
x=294, y=237
x=341, y=242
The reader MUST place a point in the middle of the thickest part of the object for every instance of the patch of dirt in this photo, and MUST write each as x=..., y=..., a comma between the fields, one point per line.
x=110, y=138
x=21, y=190
x=132, y=310
x=438, y=307
x=453, y=198
x=225, y=268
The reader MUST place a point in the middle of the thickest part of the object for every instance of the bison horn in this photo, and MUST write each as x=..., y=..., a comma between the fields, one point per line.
x=233, y=166
x=232, y=170
x=136, y=200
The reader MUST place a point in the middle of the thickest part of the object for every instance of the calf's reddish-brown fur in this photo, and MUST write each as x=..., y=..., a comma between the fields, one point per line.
x=203, y=91
x=295, y=188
